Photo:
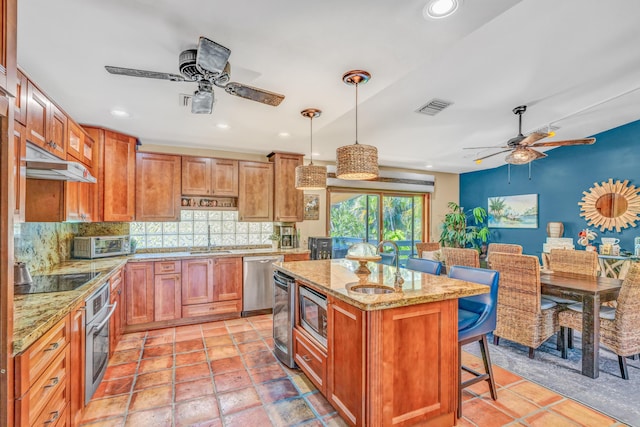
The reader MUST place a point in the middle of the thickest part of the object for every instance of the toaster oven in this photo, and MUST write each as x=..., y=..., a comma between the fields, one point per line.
x=100, y=246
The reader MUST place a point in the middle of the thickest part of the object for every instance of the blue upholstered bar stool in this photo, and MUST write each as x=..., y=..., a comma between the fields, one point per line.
x=476, y=318
x=424, y=265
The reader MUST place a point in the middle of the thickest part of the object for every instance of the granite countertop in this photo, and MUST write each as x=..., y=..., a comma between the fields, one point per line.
x=35, y=314
x=335, y=277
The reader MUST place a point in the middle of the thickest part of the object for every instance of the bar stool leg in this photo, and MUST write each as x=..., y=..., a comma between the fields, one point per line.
x=484, y=349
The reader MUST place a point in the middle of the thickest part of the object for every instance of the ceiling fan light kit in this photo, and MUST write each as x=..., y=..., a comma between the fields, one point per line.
x=311, y=177
x=356, y=161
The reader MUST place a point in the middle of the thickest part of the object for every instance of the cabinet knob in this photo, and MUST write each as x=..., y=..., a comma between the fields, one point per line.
x=52, y=347
x=119, y=291
x=54, y=416
x=306, y=358
x=53, y=382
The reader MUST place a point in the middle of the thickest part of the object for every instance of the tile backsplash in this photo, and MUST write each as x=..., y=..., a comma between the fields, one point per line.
x=41, y=245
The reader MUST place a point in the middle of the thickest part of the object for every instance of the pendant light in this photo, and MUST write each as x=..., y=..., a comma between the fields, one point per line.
x=311, y=177
x=357, y=161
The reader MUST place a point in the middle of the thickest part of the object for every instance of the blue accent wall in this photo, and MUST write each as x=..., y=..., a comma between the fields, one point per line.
x=559, y=181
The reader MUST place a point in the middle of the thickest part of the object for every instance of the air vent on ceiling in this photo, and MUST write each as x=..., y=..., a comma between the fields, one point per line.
x=434, y=106
x=545, y=129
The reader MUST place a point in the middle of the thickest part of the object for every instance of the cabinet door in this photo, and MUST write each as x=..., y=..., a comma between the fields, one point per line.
x=346, y=370
x=37, y=115
x=88, y=152
x=45, y=200
x=167, y=297
x=57, y=132
x=197, y=281
x=20, y=106
x=157, y=187
x=86, y=203
x=255, y=191
x=19, y=171
x=139, y=292
x=227, y=279
x=71, y=201
x=75, y=141
x=196, y=176
x=225, y=177
x=115, y=323
x=119, y=165
x=287, y=206
x=77, y=362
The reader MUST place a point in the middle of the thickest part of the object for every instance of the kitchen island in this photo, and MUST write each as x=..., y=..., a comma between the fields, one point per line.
x=389, y=359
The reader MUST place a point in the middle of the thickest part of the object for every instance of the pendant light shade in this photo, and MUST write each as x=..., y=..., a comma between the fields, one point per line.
x=357, y=161
x=311, y=177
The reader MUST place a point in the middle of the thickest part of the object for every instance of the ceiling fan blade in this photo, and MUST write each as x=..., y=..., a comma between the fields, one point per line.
x=202, y=102
x=211, y=56
x=491, y=155
x=484, y=148
x=142, y=73
x=254, y=94
x=531, y=138
x=584, y=141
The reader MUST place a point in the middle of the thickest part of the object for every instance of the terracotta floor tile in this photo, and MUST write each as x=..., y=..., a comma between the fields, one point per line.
x=114, y=387
x=265, y=333
x=188, y=336
x=133, y=335
x=130, y=344
x=312, y=423
x=268, y=342
x=198, y=411
x=124, y=356
x=537, y=394
x=581, y=414
x=188, y=329
x=320, y=404
x=157, y=417
x=119, y=371
x=187, y=373
x=155, y=364
x=222, y=352
x=231, y=381
x=511, y=403
x=334, y=421
x=215, y=331
x=502, y=377
x=151, y=398
x=190, y=358
x=240, y=328
x=547, y=418
x=240, y=337
x=160, y=332
x=159, y=340
x=157, y=351
x=226, y=365
x=212, y=325
x=274, y=391
x=238, y=321
x=238, y=400
x=105, y=408
x=153, y=379
x=218, y=340
x=289, y=412
x=483, y=414
x=111, y=422
x=250, y=347
x=251, y=417
x=259, y=358
x=211, y=423
x=267, y=373
x=192, y=389
x=463, y=422
x=303, y=383
x=190, y=345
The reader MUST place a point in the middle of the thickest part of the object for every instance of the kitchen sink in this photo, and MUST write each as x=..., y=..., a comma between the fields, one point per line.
x=369, y=288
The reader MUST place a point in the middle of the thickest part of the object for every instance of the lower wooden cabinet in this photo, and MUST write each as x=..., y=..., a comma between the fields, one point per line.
x=167, y=297
x=197, y=281
x=227, y=279
x=139, y=292
x=77, y=363
x=297, y=257
x=311, y=359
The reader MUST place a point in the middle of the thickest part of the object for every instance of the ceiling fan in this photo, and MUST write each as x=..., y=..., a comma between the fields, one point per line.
x=207, y=65
x=521, y=146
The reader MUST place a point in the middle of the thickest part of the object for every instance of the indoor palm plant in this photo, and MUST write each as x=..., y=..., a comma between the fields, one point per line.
x=456, y=231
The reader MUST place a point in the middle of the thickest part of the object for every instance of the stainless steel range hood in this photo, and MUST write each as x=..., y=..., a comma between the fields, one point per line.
x=44, y=165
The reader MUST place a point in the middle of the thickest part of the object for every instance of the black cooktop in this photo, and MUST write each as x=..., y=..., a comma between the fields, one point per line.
x=54, y=283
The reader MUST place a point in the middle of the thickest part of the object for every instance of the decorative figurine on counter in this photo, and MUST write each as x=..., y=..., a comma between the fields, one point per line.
x=585, y=237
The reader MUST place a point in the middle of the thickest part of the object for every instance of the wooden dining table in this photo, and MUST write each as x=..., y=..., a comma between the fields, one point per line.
x=591, y=291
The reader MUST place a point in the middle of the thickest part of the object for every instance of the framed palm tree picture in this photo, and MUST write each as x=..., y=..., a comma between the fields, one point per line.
x=513, y=211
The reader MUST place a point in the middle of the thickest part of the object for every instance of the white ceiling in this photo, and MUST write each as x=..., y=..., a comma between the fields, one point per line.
x=557, y=57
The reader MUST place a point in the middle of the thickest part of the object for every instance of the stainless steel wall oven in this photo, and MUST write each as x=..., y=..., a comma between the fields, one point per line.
x=283, y=317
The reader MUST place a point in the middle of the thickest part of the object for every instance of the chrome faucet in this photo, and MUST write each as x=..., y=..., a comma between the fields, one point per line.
x=398, y=276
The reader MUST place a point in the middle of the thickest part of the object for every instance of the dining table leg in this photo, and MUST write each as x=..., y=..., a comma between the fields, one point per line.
x=591, y=336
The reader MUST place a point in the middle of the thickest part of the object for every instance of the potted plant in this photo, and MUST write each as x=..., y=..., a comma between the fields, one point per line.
x=274, y=240
x=456, y=231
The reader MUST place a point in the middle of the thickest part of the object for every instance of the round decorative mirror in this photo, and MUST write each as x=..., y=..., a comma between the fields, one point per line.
x=610, y=205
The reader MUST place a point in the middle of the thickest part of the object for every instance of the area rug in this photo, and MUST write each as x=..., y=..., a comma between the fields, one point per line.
x=609, y=393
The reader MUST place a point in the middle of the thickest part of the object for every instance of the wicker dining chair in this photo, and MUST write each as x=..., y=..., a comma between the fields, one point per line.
x=619, y=327
x=459, y=256
x=426, y=247
x=524, y=316
x=574, y=262
x=505, y=248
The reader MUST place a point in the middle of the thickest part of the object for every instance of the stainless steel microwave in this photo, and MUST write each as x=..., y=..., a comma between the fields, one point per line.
x=313, y=313
x=100, y=246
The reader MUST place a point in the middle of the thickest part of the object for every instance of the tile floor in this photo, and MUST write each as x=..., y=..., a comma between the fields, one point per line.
x=224, y=374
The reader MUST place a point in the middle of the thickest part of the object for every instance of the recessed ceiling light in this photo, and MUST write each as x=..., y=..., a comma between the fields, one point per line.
x=284, y=134
x=436, y=9
x=222, y=126
x=119, y=113
x=315, y=153
x=429, y=166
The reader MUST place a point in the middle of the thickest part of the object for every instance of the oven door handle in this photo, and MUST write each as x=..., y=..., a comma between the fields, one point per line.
x=96, y=328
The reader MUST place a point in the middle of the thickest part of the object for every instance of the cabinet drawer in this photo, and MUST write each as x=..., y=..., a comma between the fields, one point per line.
x=296, y=257
x=116, y=279
x=55, y=413
x=208, y=309
x=33, y=361
x=311, y=359
x=30, y=406
x=164, y=267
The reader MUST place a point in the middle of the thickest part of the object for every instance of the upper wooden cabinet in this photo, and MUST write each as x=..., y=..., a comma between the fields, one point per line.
x=8, y=14
x=287, y=203
x=115, y=161
x=255, y=191
x=57, y=201
x=20, y=107
x=157, y=187
x=19, y=171
x=203, y=176
x=46, y=123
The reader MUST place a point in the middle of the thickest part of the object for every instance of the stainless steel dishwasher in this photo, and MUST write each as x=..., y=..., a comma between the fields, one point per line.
x=257, y=285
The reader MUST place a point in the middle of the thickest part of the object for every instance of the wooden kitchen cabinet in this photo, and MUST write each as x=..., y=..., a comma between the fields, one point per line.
x=167, y=292
x=227, y=279
x=157, y=187
x=311, y=359
x=225, y=177
x=75, y=141
x=57, y=201
x=77, y=363
x=46, y=123
x=116, y=323
x=20, y=105
x=287, y=202
x=297, y=257
x=255, y=191
x=204, y=176
x=197, y=281
x=139, y=287
x=19, y=171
